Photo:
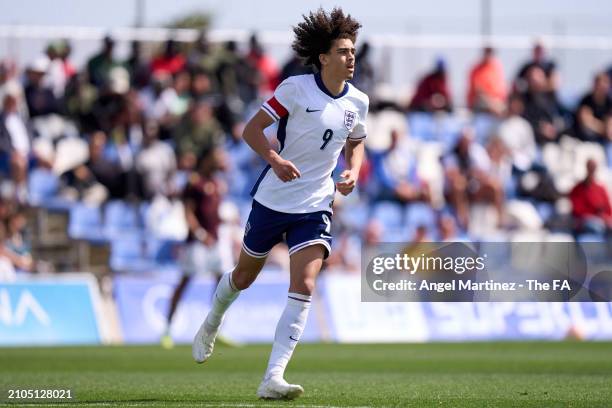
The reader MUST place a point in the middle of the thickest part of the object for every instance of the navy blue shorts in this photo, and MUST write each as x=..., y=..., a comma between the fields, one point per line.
x=266, y=228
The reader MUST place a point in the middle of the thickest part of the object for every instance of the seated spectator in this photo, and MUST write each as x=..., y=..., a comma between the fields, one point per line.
x=170, y=61
x=395, y=171
x=594, y=112
x=198, y=131
x=487, y=90
x=591, y=204
x=40, y=98
x=517, y=135
x=156, y=163
x=433, y=91
x=542, y=108
x=540, y=60
x=470, y=178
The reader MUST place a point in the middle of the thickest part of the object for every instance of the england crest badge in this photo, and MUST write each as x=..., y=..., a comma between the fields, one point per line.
x=349, y=119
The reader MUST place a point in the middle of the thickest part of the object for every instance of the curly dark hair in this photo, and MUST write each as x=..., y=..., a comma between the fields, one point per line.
x=316, y=34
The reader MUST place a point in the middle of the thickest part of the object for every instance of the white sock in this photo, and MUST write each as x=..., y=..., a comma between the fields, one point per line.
x=224, y=296
x=288, y=331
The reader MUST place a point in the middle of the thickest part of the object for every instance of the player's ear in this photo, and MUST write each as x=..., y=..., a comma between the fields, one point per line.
x=323, y=59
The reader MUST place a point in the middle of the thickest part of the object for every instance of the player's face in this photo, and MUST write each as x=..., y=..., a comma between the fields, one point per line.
x=340, y=60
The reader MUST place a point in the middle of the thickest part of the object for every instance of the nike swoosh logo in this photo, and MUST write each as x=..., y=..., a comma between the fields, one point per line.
x=291, y=337
x=312, y=110
x=326, y=236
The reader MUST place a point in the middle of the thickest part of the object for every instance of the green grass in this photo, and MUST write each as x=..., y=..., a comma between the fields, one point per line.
x=541, y=375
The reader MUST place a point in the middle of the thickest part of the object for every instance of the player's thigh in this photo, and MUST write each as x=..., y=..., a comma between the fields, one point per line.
x=309, y=242
x=305, y=265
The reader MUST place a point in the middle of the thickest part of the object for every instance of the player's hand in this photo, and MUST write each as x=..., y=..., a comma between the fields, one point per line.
x=347, y=184
x=285, y=170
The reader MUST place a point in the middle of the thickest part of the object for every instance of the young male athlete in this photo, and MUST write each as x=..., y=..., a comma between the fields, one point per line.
x=319, y=115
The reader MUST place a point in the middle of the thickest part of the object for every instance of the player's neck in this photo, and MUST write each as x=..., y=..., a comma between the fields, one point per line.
x=333, y=85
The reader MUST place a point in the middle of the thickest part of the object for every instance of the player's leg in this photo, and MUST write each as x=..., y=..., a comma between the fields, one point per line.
x=177, y=294
x=227, y=292
x=309, y=244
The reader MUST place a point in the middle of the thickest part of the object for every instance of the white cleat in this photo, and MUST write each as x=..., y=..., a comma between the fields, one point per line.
x=203, y=343
x=278, y=388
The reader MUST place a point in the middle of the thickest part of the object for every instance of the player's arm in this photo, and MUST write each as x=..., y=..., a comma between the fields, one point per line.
x=254, y=136
x=194, y=225
x=354, y=151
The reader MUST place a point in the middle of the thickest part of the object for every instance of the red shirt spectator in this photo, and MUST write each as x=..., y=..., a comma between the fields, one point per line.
x=432, y=93
x=590, y=199
x=171, y=61
x=487, y=88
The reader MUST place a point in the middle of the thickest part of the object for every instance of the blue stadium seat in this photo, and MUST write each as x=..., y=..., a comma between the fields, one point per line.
x=484, y=126
x=121, y=218
x=162, y=251
x=422, y=126
x=85, y=223
x=42, y=185
x=389, y=215
x=418, y=214
x=128, y=254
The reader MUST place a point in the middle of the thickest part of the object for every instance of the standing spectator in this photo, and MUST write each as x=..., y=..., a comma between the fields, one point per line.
x=487, y=90
x=594, y=112
x=9, y=84
x=542, y=108
x=100, y=65
x=433, y=92
x=540, y=60
x=591, y=204
x=170, y=61
x=17, y=144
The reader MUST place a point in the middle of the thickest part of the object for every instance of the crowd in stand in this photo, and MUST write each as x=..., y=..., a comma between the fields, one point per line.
x=135, y=130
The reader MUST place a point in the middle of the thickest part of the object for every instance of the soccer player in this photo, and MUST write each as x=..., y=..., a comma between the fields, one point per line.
x=319, y=115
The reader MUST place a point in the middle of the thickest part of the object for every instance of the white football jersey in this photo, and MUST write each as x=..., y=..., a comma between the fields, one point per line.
x=314, y=126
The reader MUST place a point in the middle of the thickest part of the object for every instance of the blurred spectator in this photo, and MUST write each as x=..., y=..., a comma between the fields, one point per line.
x=294, y=66
x=396, y=173
x=433, y=91
x=542, y=108
x=517, y=135
x=137, y=67
x=80, y=98
x=16, y=144
x=9, y=84
x=594, y=112
x=100, y=65
x=265, y=65
x=40, y=98
x=198, y=131
x=540, y=60
x=591, y=204
x=470, y=179
x=170, y=61
x=487, y=90
x=156, y=163
x=364, y=70
x=57, y=77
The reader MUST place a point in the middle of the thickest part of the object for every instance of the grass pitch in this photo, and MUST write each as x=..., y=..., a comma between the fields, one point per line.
x=541, y=375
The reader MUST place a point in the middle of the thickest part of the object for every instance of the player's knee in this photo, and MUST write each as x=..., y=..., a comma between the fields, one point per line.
x=242, y=279
x=309, y=284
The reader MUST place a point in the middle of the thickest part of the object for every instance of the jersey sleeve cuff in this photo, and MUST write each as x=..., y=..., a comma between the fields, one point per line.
x=357, y=137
